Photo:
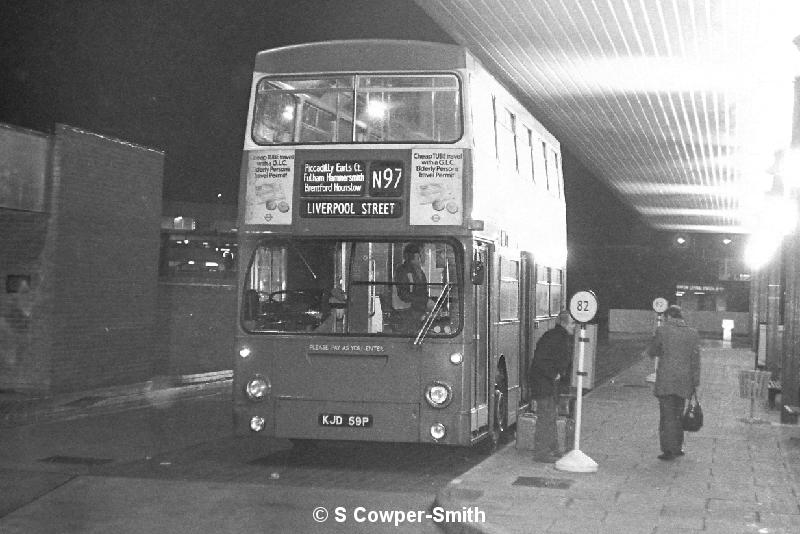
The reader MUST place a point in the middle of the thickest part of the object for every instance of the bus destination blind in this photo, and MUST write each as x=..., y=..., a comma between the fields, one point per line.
x=352, y=188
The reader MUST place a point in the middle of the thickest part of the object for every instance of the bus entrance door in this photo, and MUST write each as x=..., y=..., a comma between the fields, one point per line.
x=480, y=373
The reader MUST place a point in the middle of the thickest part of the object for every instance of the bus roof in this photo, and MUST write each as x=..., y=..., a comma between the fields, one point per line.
x=361, y=55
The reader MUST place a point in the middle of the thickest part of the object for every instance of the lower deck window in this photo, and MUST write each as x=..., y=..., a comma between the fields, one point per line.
x=330, y=286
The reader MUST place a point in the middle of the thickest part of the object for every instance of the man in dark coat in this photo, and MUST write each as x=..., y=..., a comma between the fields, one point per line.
x=552, y=359
x=677, y=347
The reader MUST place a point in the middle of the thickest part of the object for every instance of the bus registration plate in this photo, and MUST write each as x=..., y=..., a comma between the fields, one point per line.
x=343, y=419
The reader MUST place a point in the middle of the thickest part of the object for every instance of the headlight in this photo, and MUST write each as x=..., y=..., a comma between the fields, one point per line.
x=438, y=395
x=456, y=358
x=257, y=388
x=244, y=352
x=438, y=431
x=256, y=423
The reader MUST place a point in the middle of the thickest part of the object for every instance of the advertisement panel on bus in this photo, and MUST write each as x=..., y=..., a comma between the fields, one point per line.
x=305, y=189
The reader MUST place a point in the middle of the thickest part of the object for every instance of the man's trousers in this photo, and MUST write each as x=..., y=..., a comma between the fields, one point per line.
x=670, y=427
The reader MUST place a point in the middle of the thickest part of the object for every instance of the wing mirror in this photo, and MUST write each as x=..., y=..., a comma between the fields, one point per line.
x=478, y=272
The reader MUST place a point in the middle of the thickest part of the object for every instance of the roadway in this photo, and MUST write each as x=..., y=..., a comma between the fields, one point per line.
x=172, y=465
x=166, y=460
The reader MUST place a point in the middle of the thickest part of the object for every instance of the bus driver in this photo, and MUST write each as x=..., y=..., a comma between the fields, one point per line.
x=410, y=297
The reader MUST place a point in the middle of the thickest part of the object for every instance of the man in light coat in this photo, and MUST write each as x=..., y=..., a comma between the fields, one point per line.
x=677, y=347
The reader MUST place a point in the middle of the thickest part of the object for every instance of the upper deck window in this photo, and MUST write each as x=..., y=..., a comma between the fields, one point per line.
x=387, y=109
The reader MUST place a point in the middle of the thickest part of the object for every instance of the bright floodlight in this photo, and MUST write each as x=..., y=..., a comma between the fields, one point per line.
x=778, y=218
x=760, y=249
x=782, y=215
x=790, y=168
x=376, y=109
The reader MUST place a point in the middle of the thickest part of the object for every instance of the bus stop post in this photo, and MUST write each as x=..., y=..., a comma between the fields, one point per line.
x=575, y=460
x=660, y=305
x=652, y=376
x=581, y=373
x=583, y=308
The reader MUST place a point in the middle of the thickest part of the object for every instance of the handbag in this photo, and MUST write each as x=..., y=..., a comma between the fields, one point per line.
x=692, y=419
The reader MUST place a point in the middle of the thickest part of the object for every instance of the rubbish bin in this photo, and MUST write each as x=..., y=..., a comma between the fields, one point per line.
x=565, y=430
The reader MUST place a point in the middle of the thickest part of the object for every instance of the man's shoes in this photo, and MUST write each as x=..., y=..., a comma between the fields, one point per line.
x=666, y=456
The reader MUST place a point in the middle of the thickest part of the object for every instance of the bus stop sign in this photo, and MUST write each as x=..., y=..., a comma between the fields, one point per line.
x=660, y=305
x=583, y=306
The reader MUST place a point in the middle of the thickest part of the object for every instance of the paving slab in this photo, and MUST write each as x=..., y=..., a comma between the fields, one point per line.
x=738, y=476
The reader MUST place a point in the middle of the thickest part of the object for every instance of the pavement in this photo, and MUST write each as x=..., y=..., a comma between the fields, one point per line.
x=740, y=474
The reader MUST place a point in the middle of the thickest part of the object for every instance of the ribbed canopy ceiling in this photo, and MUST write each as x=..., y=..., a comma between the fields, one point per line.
x=678, y=105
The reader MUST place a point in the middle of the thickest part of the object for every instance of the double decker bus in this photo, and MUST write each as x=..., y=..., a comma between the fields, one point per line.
x=402, y=245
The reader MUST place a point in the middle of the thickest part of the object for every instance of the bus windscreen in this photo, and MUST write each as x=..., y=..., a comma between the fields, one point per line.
x=335, y=286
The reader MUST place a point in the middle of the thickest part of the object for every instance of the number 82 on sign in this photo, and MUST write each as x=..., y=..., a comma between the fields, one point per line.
x=583, y=306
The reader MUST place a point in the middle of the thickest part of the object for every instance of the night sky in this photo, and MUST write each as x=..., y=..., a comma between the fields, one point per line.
x=169, y=74
x=175, y=75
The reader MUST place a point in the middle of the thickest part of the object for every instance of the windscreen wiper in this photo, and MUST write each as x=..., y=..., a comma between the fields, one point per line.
x=437, y=306
x=303, y=258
